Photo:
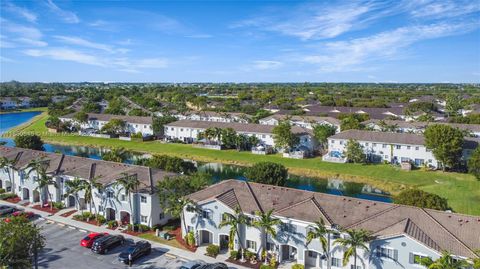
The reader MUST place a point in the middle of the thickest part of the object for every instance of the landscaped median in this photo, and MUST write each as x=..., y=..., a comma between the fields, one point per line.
x=461, y=190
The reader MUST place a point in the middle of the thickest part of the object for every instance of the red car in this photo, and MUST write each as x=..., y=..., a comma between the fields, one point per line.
x=87, y=241
x=26, y=214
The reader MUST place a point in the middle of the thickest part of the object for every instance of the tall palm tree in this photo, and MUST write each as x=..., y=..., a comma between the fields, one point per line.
x=322, y=233
x=446, y=261
x=7, y=166
x=234, y=221
x=43, y=182
x=117, y=154
x=89, y=188
x=176, y=209
x=267, y=223
x=73, y=188
x=129, y=184
x=356, y=239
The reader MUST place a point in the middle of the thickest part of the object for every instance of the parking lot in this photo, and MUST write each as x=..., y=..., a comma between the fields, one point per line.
x=63, y=250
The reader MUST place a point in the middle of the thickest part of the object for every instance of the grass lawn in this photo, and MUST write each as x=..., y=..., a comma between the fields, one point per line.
x=153, y=237
x=461, y=190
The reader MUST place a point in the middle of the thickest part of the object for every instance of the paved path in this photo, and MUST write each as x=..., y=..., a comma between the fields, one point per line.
x=169, y=250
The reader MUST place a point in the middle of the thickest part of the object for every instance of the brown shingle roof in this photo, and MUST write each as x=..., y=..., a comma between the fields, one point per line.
x=457, y=233
x=108, y=117
x=382, y=137
x=106, y=172
x=239, y=127
x=423, y=125
x=281, y=117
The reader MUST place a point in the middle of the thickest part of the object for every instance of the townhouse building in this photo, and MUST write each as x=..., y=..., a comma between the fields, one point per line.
x=95, y=122
x=417, y=127
x=8, y=103
x=188, y=131
x=401, y=233
x=394, y=148
x=140, y=207
x=307, y=122
x=215, y=116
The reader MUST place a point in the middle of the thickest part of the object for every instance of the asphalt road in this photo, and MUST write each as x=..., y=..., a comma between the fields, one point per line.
x=63, y=251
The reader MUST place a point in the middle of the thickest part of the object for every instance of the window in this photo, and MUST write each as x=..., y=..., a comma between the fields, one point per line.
x=122, y=197
x=408, y=147
x=417, y=148
x=336, y=262
x=270, y=246
x=312, y=254
x=161, y=216
x=190, y=228
x=143, y=199
x=384, y=145
x=366, y=144
x=399, y=147
x=387, y=253
x=353, y=267
x=171, y=129
x=414, y=258
x=263, y=136
x=109, y=194
x=374, y=144
x=341, y=142
x=225, y=217
x=143, y=219
x=206, y=214
x=100, y=208
x=251, y=244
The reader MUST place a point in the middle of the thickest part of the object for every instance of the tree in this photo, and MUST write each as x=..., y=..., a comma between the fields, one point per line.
x=446, y=143
x=321, y=132
x=73, y=188
x=169, y=163
x=129, y=184
x=349, y=123
x=7, y=166
x=28, y=141
x=88, y=188
x=118, y=155
x=476, y=261
x=474, y=163
x=176, y=208
x=229, y=138
x=419, y=198
x=453, y=103
x=91, y=107
x=20, y=241
x=283, y=136
x=322, y=233
x=268, y=173
x=81, y=117
x=446, y=261
x=355, y=239
x=234, y=221
x=266, y=223
x=354, y=152
x=114, y=126
x=174, y=188
x=159, y=122
x=43, y=180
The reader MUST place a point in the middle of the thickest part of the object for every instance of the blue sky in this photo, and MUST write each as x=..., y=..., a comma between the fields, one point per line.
x=244, y=41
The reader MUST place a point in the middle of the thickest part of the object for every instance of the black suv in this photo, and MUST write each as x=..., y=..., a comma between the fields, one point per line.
x=134, y=252
x=103, y=244
x=218, y=265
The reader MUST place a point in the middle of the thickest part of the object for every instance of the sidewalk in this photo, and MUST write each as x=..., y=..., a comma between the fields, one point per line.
x=172, y=251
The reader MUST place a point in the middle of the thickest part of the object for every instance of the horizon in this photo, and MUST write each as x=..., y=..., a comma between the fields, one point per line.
x=240, y=42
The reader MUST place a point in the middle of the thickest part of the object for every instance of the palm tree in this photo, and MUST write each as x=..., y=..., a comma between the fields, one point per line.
x=476, y=261
x=446, y=261
x=129, y=184
x=322, y=233
x=234, y=221
x=74, y=187
x=43, y=179
x=176, y=209
x=89, y=188
x=267, y=223
x=117, y=154
x=356, y=239
x=7, y=166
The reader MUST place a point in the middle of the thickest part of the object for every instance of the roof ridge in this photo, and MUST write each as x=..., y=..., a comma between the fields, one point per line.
x=395, y=223
x=448, y=231
x=254, y=196
x=234, y=194
x=411, y=222
x=295, y=204
x=322, y=211
x=374, y=216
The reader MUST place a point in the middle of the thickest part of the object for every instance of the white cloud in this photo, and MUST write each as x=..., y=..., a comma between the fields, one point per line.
x=266, y=65
x=26, y=35
x=72, y=40
x=199, y=36
x=66, y=55
x=4, y=43
x=32, y=42
x=150, y=63
x=67, y=16
x=351, y=55
x=6, y=60
x=445, y=9
x=20, y=11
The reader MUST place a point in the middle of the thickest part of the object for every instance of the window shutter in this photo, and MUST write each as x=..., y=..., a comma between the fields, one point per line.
x=412, y=258
x=378, y=251
x=395, y=255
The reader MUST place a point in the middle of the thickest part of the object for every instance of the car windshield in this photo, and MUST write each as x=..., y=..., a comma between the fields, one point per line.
x=130, y=249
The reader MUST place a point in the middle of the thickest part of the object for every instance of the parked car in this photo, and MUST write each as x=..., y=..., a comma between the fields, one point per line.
x=6, y=209
x=192, y=265
x=103, y=244
x=26, y=214
x=134, y=252
x=217, y=265
x=88, y=240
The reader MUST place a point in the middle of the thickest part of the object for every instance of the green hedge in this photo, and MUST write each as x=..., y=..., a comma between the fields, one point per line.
x=213, y=250
x=7, y=195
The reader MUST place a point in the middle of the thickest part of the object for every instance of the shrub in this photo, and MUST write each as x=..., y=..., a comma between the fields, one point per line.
x=58, y=205
x=248, y=254
x=130, y=227
x=213, y=250
x=112, y=224
x=298, y=266
x=168, y=228
x=5, y=196
x=190, y=239
x=264, y=266
x=143, y=228
x=273, y=262
x=2, y=190
x=419, y=198
x=101, y=219
x=234, y=255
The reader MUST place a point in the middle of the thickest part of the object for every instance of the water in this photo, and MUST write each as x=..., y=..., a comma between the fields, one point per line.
x=217, y=170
